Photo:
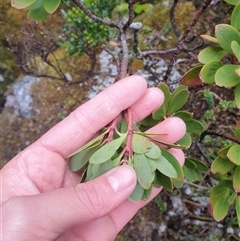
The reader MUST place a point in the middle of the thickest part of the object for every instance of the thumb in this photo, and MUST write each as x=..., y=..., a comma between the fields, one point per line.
x=63, y=208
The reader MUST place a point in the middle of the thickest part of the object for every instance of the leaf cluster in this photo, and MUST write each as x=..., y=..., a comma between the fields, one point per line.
x=154, y=166
x=37, y=9
x=215, y=66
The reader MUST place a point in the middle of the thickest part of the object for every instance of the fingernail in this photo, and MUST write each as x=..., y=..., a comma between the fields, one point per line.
x=121, y=178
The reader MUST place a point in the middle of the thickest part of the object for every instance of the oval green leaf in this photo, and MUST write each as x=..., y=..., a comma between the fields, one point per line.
x=168, y=165
x=226, y=76
x=234, y=154
x=186, y=141
x=137, y=193
x=51, y=5
x=225, y=34
x=154, y=152
x=35, y=5
x=162, y=180
x=221, y=165
x=235, y=19
x=20, y=4
x=223, y=152
x=207, y=73
x=143, y=169
x=37, y=14
x=177, y=101
x=200, y=165
x=221, y=207
x=194, y=126
x=106, y=151
x=211, y=53
x=184, y=115
x=79, y=160
x=140, y=144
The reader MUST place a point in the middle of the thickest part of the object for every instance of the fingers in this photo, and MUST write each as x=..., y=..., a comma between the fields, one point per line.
x=59, y=210
x=170, y=130
x=84, y=122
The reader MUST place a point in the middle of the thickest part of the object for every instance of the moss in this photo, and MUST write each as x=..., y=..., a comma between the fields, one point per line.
x=158, y=20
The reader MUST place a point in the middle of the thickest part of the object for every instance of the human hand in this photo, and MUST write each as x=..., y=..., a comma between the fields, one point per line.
x=43, y=200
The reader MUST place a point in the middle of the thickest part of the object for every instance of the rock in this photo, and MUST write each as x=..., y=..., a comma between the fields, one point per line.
x=21, y=99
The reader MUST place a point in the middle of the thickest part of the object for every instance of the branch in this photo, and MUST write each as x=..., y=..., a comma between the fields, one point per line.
x=172, y=19
x=184, y=36
x=93, y=16
x=216, y=133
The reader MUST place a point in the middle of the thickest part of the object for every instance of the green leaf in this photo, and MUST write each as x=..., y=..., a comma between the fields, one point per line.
x=79, y=160
x=184, y=115
x=20, y=4
x=211, y=53
x=221, y=165
x=177, y=101
x=168, y=165
x=191, y=175
x=237, y=95
x=225, y=34
x=137, y=193
x=143, y=169
x=37, y=14
x=186, y=141
x=154, y=152
x=162, y=180
x=89, y=171
x=221, y=207
x=123, y=126
x=140, y=144
x=95, y=171
x=235, y=20
x=232, y=2
x=234, y=154
x=207, y=73
x=236, y=180
x=91, y=144
x=232, y=198
x=51, y=5
x=200, y=165
x=35, y=5
x=194, y=126
x=106, y=166
x=147, y=193
x=209, y=38
x=223, y=152
x=237, y=207
x=236, y=49
x=226, y=76
x=191, y=78
x=106, y=151
x=161, y=112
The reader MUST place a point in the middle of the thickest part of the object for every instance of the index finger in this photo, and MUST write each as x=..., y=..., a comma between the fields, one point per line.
x=85, y=121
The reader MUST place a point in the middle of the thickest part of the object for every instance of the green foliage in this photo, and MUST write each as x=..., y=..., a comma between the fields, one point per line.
x=225, y=193
x=37, y=9
x=81, y=32
x=214, y=68
x=154, y=166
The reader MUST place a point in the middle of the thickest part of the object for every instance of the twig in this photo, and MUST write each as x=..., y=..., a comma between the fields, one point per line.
x=216, y=133
x=184, y=36
x=93, y=16
x=172, y=19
